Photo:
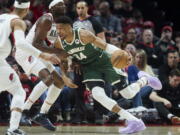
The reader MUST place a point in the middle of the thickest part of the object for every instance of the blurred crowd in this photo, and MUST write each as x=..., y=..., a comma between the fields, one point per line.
x=121, y=24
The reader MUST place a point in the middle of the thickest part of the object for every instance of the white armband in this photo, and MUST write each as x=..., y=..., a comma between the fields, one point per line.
x=111, y=48
x=22, y=44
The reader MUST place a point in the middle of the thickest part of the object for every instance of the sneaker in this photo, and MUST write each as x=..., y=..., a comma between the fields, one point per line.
x=133, y=126
x=43, y=120
x=25, y=119
x=15, y=132
x=175, y=120
x=153, y=82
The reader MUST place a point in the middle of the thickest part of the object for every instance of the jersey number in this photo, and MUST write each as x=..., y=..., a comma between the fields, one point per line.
x=80, y=56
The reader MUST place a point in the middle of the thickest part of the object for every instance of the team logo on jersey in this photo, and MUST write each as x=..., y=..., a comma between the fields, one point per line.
x=11, y=77
x=30, y=59
x=77, y=41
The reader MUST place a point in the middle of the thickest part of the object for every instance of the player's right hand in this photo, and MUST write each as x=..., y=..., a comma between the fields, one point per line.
x=50, y=57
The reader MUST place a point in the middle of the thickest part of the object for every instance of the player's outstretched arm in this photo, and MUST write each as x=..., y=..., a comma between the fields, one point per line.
x=116, y=53
x=88, y=37
x=18, y=26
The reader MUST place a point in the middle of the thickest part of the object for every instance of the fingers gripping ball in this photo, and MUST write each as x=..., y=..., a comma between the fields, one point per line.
x=120, y=59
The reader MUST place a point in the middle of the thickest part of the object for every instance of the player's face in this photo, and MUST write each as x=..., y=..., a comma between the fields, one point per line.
x=63, y=30
x=26, y=11
x=81, y=9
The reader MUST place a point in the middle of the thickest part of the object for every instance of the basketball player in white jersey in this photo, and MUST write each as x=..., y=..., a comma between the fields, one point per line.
x=43, y=36
x=9, y=80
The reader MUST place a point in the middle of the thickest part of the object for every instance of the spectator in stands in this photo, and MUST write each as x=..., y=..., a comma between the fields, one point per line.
x=140, y=63
x=110, y=22
x=127, y=9
x=147, y=44
x=172, y=62
x=167, y=101
x=131, y=36
x=132, y=49
x=165, y=42
x=177, y=40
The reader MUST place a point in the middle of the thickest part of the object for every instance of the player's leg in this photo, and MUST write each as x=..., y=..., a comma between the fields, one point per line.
x=33, y=65
x=44, y=74
x=129, y=91
x=134, y=124
x=9, y=80
x=16, y=109
x=53, y=92
x=52, y=95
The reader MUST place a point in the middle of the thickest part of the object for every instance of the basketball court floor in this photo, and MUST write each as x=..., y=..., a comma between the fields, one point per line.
x=96, y=130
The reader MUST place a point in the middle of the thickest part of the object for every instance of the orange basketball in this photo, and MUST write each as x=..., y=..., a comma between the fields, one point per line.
x=120, y=59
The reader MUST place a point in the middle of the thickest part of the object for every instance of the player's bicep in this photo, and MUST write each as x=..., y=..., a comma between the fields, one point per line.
x=88, y=37
x=42, y=28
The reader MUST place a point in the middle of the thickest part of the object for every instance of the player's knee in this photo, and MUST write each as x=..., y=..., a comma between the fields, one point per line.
x=46, y=77
x=18, y=99
x=98, y=93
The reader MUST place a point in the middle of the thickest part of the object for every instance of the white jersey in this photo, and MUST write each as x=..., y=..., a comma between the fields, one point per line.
x=51, y=35
x=5, y=32
x=29, y=63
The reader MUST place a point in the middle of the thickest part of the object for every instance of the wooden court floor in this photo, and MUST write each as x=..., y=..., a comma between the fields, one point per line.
x=96, y=130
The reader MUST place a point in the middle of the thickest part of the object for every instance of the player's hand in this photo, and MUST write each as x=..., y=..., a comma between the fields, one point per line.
x=50, y=57
x=62, y=55
x=76, y=67
x=167, y=103
x=68, y=82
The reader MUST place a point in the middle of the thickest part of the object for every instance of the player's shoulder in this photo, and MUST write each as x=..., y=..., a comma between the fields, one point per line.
x=45, y=19
x=18, y=22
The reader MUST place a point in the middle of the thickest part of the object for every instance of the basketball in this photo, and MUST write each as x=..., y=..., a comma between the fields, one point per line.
x=120, y=59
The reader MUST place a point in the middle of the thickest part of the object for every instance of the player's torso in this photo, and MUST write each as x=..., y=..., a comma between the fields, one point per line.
x=51, y=35
x=5, y=34
x=85, y=53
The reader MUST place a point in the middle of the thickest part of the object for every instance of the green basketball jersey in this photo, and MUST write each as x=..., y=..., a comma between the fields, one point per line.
x=84, y=53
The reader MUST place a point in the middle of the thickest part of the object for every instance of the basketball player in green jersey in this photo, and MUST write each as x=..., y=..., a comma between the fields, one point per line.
x=94, y=56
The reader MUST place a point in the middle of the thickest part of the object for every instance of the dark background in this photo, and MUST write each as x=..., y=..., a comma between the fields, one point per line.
x=161, y=12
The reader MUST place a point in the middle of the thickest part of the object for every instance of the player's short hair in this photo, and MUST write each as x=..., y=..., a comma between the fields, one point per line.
x=174, y=72
x=64, y=20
